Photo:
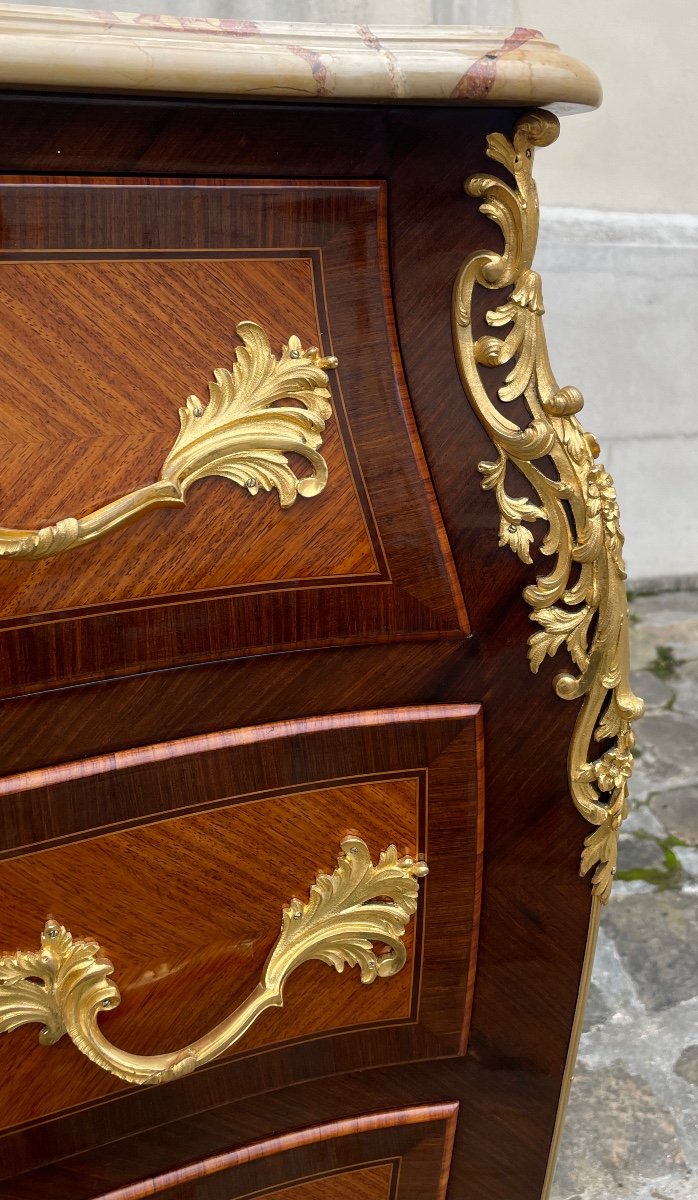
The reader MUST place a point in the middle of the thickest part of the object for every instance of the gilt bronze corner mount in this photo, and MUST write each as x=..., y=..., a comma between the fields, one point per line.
x=581, y=601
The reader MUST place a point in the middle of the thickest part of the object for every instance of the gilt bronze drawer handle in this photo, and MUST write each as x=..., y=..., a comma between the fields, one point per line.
x=580, y=600
x=64, y=986
x=240, y=434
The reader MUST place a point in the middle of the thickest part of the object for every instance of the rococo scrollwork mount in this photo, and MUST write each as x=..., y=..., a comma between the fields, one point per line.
x=66, y=984
x=581, y=601
x=243, y=434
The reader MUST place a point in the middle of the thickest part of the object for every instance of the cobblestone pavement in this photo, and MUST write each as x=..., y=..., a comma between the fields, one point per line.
x=632, y=1123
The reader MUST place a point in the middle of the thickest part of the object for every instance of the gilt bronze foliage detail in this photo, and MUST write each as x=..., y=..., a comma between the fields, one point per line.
x=66, y=984
x=243, y=434
x=581, y=602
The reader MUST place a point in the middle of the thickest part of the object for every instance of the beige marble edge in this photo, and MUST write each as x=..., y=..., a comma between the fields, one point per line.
x=74, y=49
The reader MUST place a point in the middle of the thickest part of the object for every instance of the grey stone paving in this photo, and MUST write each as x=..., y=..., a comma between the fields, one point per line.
x=632, y=1122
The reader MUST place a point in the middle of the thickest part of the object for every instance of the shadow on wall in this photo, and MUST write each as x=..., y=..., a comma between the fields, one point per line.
x=621, y=294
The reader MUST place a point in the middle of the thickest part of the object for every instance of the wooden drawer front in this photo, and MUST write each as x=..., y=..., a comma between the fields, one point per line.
x=117, y=301
x=178, y=860
x=403, y=1154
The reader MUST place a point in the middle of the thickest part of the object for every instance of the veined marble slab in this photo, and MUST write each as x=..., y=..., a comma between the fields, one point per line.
x=123, y=52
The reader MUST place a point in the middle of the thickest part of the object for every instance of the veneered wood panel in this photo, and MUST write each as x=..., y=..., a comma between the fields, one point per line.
x=402, y=1154
x=361, y=1183
x=183, y=888
x=102, y=354
x=365, y=560
x=78, y=722
x=535, y=908
x=187, y=910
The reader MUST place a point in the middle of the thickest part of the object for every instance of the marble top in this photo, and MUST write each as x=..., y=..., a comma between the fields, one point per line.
x=74, y=49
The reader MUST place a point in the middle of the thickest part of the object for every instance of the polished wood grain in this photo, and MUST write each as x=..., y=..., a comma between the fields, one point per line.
x=534, y=907
x=78, y=722
x=407, y=1153
x=230, y=573
x=118, y=348
x=202, y=951
x=364, y=1183
x=183, y=890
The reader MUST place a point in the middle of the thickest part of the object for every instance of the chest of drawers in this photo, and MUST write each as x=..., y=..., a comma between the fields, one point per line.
x=282, y=448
